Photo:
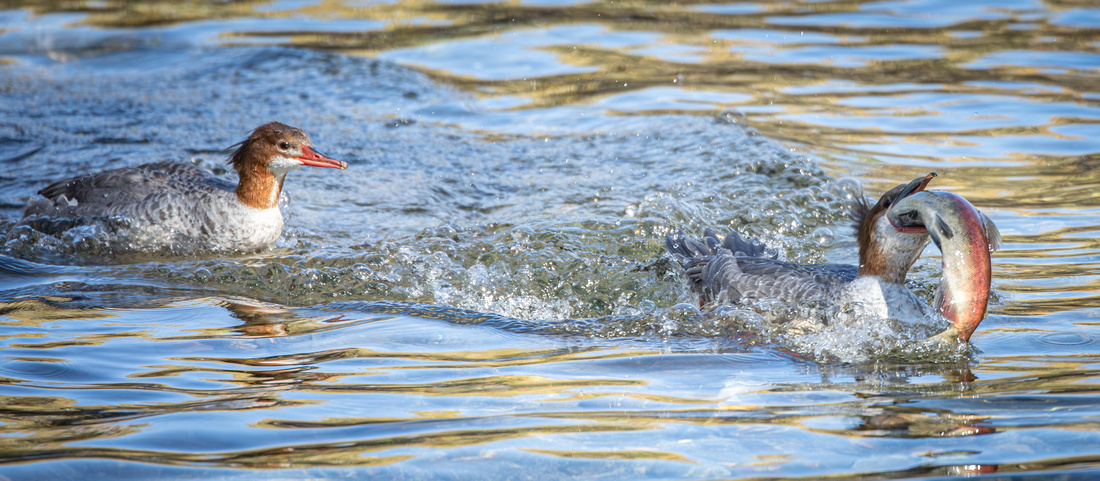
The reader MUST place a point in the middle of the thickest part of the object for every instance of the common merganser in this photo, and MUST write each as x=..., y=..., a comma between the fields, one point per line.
x=727, y=270
x=167, y=204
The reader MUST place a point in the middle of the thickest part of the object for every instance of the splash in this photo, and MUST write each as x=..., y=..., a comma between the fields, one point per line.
x=842, y=333
x=565, y=232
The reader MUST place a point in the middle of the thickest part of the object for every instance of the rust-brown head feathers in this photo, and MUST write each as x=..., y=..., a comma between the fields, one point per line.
x=266, y=139
x=861, y=213
x=871, y=260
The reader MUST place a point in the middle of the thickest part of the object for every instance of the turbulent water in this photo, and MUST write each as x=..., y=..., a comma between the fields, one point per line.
x=525, y=228
x=484, y=293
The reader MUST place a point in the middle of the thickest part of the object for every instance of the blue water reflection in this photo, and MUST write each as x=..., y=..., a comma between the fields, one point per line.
x=484, y=291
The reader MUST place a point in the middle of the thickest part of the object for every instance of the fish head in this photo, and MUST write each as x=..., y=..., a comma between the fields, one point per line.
x=966, y=239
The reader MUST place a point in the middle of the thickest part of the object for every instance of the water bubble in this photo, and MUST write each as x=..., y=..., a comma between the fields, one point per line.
x=439, y=259
x=824, y=237
x=846, y=188
x=202, y=275
x=523, y=234
x=684, y=309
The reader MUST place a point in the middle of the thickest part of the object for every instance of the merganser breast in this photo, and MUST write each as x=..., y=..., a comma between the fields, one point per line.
x=170, y=204
x=732, y=269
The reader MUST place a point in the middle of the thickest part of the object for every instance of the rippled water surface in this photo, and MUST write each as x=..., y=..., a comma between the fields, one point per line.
x=484, y=293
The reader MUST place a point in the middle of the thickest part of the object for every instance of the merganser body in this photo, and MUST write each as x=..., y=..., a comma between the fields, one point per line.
x=164, y=204
x=727, y=270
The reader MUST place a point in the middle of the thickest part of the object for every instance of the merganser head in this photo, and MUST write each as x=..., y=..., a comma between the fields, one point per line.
x=966, y=238
x=263, y=159
x=280, y=148
x=888, y=251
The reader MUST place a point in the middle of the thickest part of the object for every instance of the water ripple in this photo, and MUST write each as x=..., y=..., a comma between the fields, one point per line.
x=483, y=292
x=50, y=369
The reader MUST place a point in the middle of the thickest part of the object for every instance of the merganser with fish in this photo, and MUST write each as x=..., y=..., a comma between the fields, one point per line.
x=891, y=236
x=167, y=203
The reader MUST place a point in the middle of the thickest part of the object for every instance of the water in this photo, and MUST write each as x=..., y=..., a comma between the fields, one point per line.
x=483, y=293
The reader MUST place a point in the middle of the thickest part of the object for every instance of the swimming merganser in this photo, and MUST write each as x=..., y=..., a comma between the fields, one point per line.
x=727, y=270
x=166, y=204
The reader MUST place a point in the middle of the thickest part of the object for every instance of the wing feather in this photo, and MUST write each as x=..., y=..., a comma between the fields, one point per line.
x=730, y=269
x=118, y=190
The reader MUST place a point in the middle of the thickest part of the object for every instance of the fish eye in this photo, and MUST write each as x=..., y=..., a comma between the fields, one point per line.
x=283, y=145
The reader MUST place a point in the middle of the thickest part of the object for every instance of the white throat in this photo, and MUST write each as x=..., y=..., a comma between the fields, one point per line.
x=279, y=166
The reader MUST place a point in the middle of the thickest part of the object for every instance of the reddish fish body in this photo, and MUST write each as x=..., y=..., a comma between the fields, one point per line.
x=966, y=238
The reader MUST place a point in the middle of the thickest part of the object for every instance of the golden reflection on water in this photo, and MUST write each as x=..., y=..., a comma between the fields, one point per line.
x=879, y=99
x=871, y=118
x=31, y=312
x=45, y=427
x=624, y=454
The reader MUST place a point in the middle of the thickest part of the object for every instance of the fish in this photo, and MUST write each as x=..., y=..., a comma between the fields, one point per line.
x=966, y=239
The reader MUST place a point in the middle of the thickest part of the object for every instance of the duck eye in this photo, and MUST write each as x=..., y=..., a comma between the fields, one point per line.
x=886, y=203
x=283, y=145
